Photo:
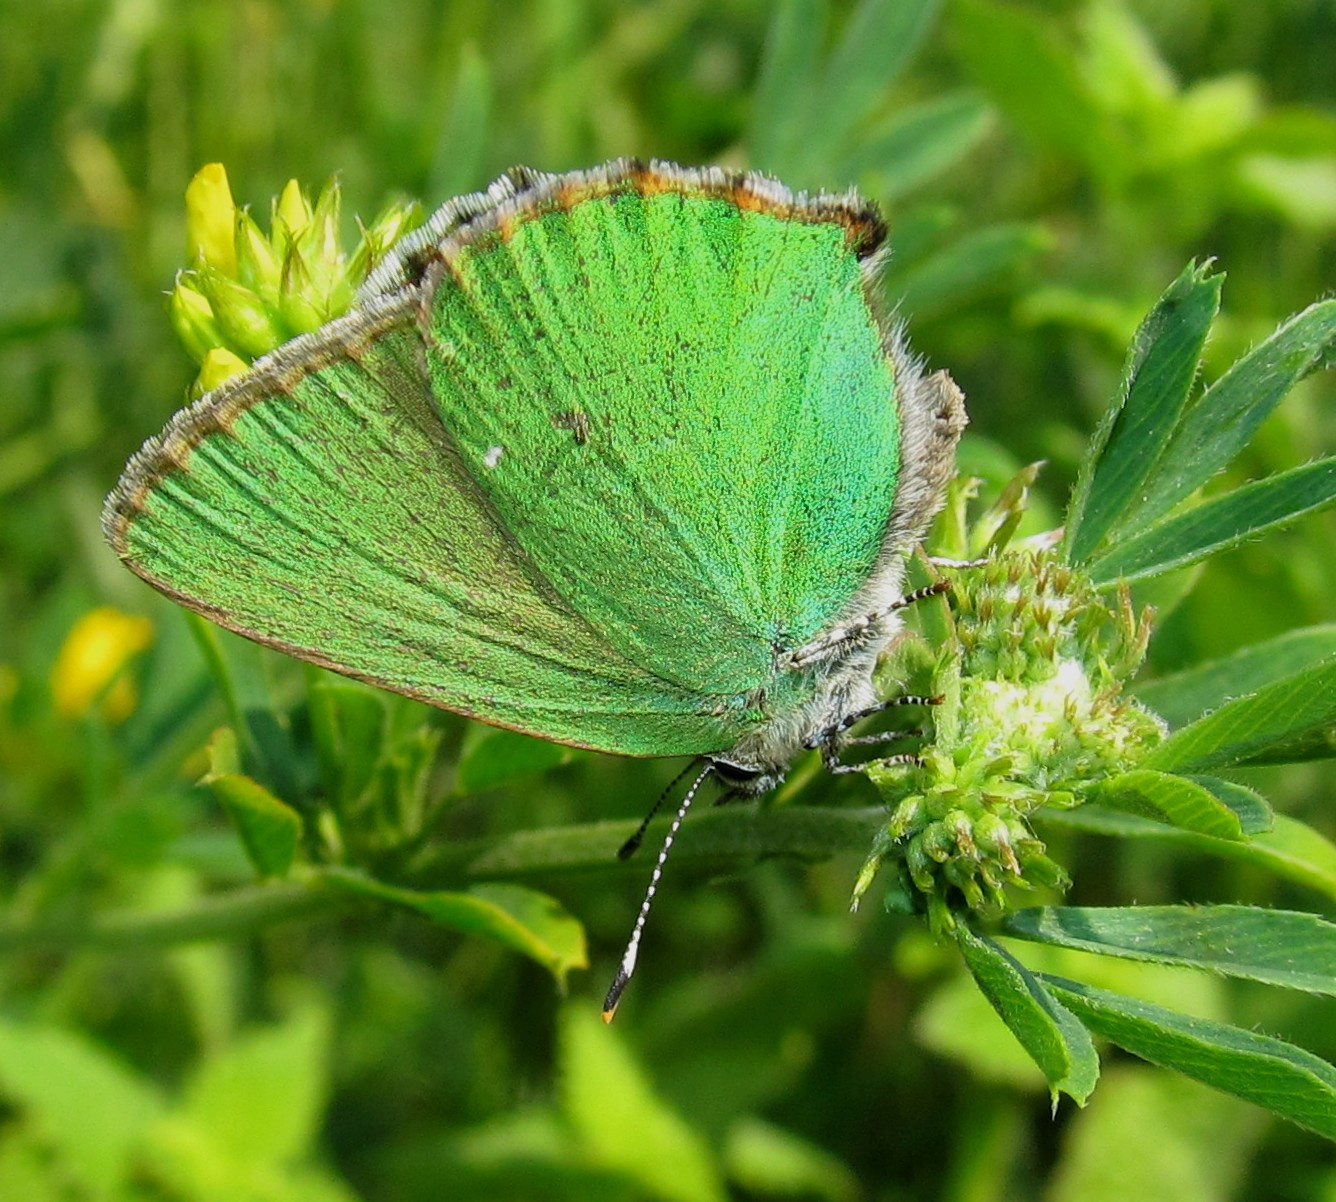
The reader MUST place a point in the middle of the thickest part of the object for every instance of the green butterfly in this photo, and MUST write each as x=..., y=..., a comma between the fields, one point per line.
x=626, y=458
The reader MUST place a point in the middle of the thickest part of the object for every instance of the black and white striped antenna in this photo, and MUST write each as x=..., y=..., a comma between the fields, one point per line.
x=628, y=964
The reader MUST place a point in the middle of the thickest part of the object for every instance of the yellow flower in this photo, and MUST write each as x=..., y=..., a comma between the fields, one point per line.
x=91, y=664
x=244, y=292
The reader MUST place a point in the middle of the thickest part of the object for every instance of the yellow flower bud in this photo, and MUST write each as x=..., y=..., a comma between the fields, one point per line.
x=91, y=662
x=292, y=214
x=219, y=365
x=211, y=220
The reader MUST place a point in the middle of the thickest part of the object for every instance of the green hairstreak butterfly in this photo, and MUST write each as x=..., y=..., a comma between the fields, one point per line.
x=626, y=458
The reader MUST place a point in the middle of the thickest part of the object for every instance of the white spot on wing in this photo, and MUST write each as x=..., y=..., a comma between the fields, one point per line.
x=493, y=456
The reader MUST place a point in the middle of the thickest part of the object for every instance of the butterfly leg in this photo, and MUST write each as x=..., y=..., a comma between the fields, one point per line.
x=836, y=636
x=833, y=740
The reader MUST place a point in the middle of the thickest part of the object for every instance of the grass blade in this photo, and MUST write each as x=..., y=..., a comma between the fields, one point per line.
x=880, y=38
x=463, y=141
x=1016, y=58
x=969, y=265
x=921, y=142
x=784, y=88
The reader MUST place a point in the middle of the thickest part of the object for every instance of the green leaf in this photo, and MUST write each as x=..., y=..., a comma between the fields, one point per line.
x=767, y=1161
x=1122, y=65
x=260, y=1098
x=1223, y=420
x=1157, y=377
x=237, y=666
x=780, y=101
x=620, y=1121
x=348, y=723
x=969, y=265
x=1291, y=849
x=92, y=1109
x=1178, y=800
x=881, y=36
x=1220, y=523
x=1284, y=1079
x=269, y=829
x=958, y=1023
x=492, y=758
x=1302, y=191
x=1276, y=947
x=920, y=142
x=1185, y=696
x=1057, y=1043
x=463, y=136
x=1031, y=76
x=521, y=919
x=1253, y=811
x=1243, y=729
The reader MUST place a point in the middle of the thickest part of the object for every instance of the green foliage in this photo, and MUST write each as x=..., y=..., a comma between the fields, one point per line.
x=1049, y=1032
x=299, y=979
x=1139, y=445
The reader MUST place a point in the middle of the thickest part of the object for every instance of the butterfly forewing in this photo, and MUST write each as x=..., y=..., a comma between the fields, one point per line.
x=684, y=412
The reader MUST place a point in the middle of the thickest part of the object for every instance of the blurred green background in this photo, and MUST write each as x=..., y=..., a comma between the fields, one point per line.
x=1046, y=168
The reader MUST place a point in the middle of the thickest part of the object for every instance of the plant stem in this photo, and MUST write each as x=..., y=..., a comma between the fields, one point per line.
x=717, y=839
x=240, y=912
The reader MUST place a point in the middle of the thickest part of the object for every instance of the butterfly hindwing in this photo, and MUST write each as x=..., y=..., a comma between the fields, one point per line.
x=318, y=506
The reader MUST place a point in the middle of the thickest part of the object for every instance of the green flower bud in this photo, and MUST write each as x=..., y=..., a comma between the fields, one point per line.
x=1031, y=671
x=246, y=322
x=300, y=307
x=258, y=264
x=322, y=279
x=192, y=318
x=396, y=219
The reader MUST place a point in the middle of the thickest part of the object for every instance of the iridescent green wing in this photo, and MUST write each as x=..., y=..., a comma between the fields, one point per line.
x=319, y=506
x=673, y=390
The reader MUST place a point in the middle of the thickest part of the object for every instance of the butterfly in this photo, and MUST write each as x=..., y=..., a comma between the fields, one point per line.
x=626, y=458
